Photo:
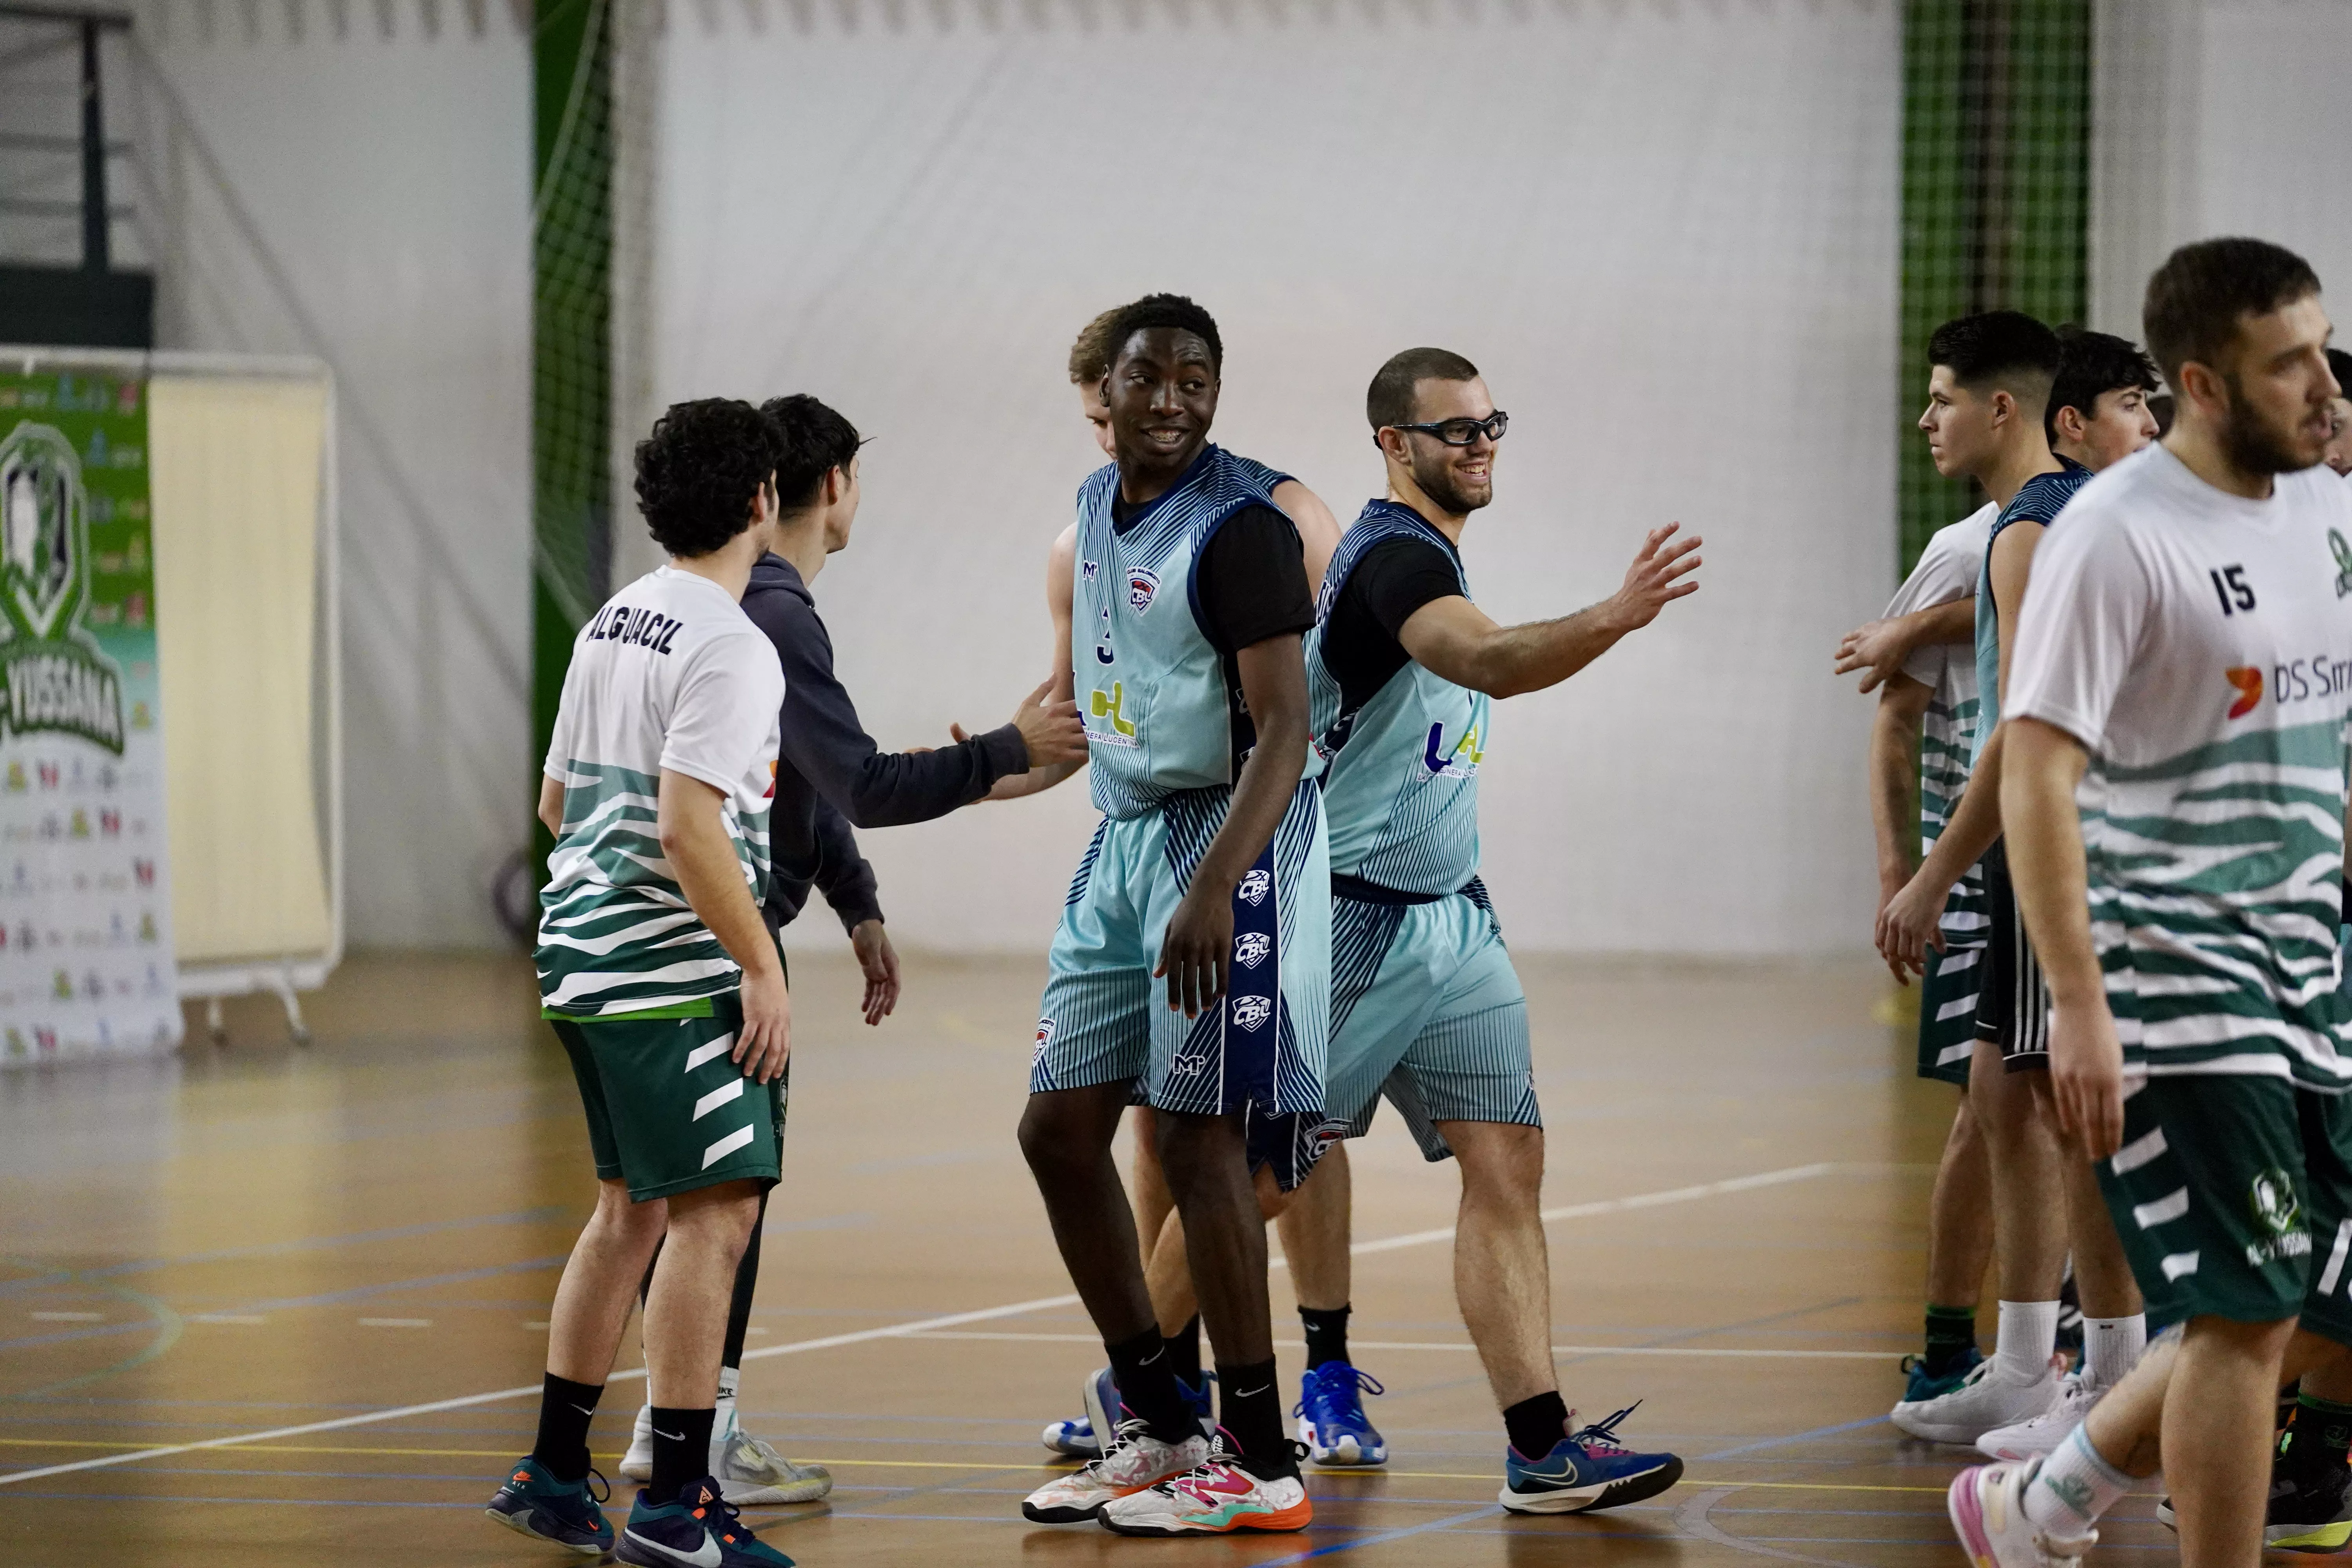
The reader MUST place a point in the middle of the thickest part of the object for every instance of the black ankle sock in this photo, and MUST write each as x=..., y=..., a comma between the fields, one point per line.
x=1249, y=1408
x=2318, y=1439
x=1147, y=1387
x=1326, y=1334
x=1951, y=1335
x=1185, y=1351
x=681, y=1452
x=1535, y=1426
x=566, y=1408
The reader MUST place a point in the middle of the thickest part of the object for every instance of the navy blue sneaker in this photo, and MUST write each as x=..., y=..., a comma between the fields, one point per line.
x=1200, y=1403
x=1587, y=1469
x=700, y=1530
x=1923, y=1388
x=1331, y=1420
x=567, y=1513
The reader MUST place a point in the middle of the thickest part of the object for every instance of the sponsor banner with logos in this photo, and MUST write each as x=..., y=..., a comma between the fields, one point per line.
x=85, y=895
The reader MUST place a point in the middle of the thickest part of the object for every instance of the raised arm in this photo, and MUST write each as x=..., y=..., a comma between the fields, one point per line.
x=1453, y=638
x=1879, y=648
x=1200, y=941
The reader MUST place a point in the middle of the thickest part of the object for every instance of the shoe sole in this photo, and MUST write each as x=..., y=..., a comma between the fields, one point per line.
x=516, y=1522
x=1347, y=1454
x=1073, y=1447
x=1967, y=1514
x=638, y=1469
x=1036, y=1515
x=1278, y=1521
x=2330, y=1537
x=1957, y=1437
x=1586, y=1500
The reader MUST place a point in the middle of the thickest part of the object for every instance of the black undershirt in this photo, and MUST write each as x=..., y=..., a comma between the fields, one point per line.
x=1394, y=578
x=1251, y=578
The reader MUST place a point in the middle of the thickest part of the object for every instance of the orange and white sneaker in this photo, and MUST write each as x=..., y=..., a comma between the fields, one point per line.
x=1136, y=1461
x=1216, y=1498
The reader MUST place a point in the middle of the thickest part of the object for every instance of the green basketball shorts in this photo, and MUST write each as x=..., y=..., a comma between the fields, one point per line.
x=2233, y=1198
x=1948, y=1012
x=669, y=1111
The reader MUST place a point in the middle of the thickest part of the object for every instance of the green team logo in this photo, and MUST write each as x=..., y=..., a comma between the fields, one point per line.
x=2343, y=553
x=2276, y=1209
x=52, y=675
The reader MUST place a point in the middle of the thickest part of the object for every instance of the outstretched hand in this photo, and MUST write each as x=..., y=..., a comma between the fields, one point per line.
x=879, y=960
x=1877, y=648
x=1659, y=575
x=1053, y=730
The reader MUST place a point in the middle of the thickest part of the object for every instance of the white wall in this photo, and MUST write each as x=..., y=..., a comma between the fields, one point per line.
x=367, y=198
x=2219, y=117
x=1666, y=232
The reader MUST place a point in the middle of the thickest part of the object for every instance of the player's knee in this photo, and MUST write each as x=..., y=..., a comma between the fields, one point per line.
x=1052, y=1141
x=719, y=1216
x=1501, y=1162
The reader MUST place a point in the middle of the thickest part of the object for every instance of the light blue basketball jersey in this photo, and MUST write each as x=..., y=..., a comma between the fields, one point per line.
x=1400, y=774
x=2040, y=499
x=1160, y=713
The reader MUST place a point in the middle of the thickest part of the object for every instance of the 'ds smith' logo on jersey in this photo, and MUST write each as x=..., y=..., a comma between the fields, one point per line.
x=2247, y=680
x=1141, y=587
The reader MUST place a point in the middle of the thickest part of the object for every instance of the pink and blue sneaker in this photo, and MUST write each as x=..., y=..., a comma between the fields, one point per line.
x=1331, y=1420
x=1587, y=1470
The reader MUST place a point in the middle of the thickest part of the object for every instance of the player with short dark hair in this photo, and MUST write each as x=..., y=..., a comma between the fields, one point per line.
x=2099, y=412
x=829, y=775
x=1424, y=1002
x=664, y=987
x=1193, y=952
x=2174, y=798
x=1990, y=393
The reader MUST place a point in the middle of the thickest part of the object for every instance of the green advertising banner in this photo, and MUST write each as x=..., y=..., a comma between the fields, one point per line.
x=84, y=897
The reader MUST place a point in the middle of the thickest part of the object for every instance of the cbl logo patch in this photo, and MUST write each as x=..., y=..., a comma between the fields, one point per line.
x=1256, y=883
x=1251, y=948
x=1141, y=587
x=1252, y=1011
x=2247, y=679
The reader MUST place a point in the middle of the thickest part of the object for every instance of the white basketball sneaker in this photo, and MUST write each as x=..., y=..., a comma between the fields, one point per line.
x=1137, y=1459
x=1987, y=1504
x=1985, y=1401
x=637, y=1464
x=750, y=1472
x=2042, y=1434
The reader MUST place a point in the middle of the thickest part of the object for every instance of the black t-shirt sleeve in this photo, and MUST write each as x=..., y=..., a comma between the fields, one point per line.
x=1398, y=576
x=1252, y=580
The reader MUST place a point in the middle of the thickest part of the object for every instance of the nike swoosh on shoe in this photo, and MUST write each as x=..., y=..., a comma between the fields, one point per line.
x=706, y=1557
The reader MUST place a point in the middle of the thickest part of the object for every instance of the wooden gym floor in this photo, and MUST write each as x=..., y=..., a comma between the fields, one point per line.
x=258, y=1305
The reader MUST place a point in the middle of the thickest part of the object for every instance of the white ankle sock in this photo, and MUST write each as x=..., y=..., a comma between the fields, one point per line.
x=2074, y=1488
x=2112, y=1347
x=2029, y=1333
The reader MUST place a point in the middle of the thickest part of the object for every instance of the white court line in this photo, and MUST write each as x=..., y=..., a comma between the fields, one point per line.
x=1445, y=1345
x=897, y=1331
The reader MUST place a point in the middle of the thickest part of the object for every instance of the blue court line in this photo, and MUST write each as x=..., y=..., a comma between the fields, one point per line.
x=1378, y=1537
x=1791, y=1437
x=289, y=1303
x=282, y=1248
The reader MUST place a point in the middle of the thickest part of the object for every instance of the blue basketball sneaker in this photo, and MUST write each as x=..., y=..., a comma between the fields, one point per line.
x=533, y=1502
x=700, y=1528
x=1588, y=1468
x=1331, y=1420
x=1923, y=1388
x=1100, y=1395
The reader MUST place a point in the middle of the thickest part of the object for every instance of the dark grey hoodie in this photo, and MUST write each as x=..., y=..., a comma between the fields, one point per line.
x=831, y=775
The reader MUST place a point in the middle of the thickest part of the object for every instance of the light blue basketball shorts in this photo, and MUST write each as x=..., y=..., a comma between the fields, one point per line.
x=1426, y=1009
x=1105, y=1019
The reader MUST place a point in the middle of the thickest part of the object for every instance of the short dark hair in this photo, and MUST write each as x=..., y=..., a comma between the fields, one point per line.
x=2339, y=365
x=2091, y=364
x=812, y=440
x=2006, y=349
x=2196, y=299
x=1390, y=399
x=1162, y=311
x=1090, y=355
x=700, y=471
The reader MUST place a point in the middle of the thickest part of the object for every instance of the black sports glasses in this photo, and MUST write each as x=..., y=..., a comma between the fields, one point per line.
x=1462, y=432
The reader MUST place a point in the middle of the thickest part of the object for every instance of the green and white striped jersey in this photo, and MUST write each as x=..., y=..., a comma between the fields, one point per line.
x=1947, y=570
x=2199, y=645
x=670, y=674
